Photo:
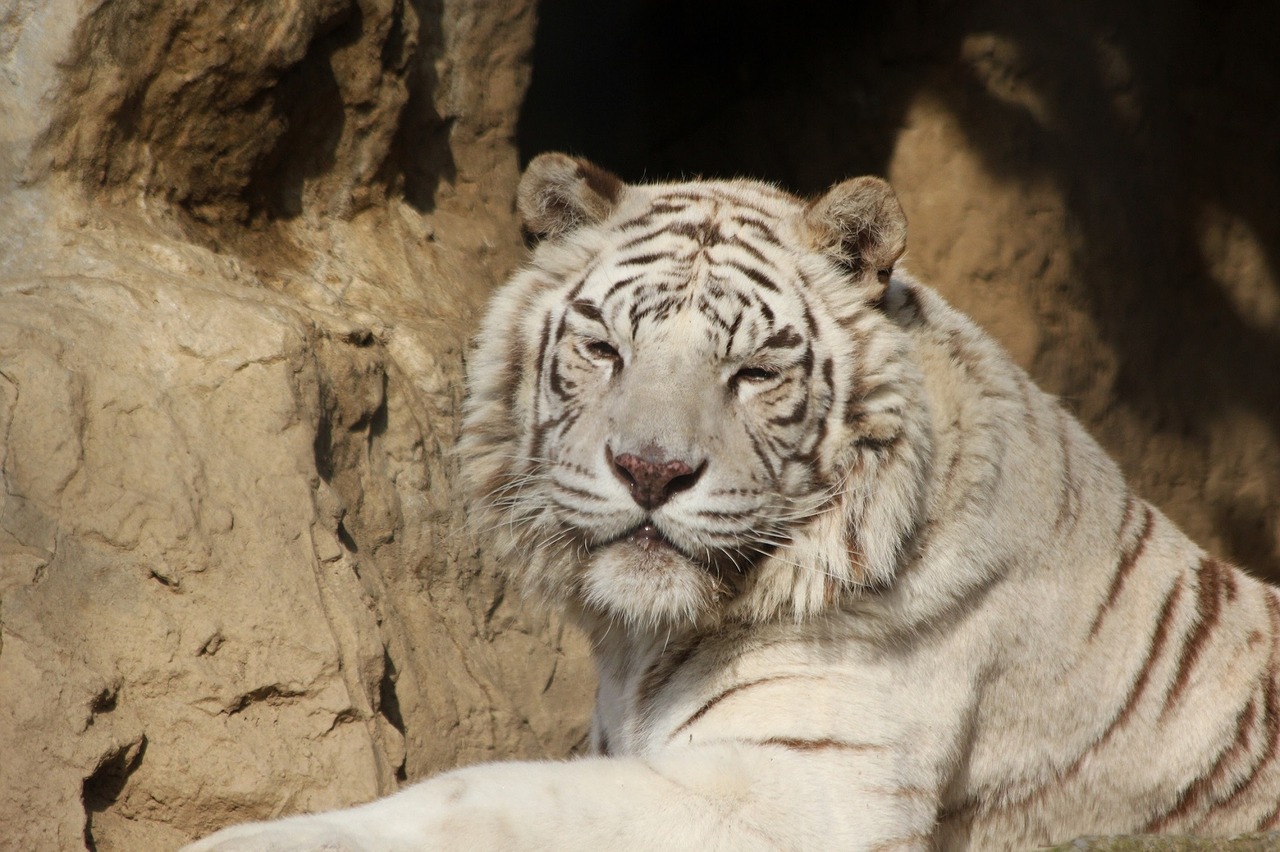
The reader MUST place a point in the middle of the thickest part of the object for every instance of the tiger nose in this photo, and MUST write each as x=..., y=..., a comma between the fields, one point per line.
x=653, y=480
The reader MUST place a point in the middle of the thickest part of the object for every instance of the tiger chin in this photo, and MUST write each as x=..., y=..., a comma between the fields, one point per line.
x=853, y=581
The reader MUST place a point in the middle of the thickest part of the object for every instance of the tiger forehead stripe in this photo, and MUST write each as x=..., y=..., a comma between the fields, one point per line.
x=754, y=274
x=783, y=338
x=587, y=309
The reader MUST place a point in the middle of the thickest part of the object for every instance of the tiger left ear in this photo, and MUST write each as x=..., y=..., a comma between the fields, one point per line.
x=559, y=193
x=860, y=224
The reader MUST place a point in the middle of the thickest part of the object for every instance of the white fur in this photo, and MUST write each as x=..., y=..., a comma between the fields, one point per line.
x=964, y=633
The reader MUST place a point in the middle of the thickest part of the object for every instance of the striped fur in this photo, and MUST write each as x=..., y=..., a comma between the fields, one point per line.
x=853, y=581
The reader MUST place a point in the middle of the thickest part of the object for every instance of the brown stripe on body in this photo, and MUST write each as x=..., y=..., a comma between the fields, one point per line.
x=1130, y=500
x=1128, y=558
x=1195, y=794
x=953, y=466
x=820, y=744
x=731, y=691
x=1270, y=821
x=1069, y=501
x=661, y=671
x=1158, y=640
x=1228, y=575
x=1001, y=802
x=1210, y=588
x=1028, y=407
x=1271, y=728
x=1271, y=701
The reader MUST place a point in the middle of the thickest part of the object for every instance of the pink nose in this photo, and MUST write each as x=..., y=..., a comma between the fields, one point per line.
x=653, y=482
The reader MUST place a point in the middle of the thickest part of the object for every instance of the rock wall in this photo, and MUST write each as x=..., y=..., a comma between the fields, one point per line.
x=244, y=246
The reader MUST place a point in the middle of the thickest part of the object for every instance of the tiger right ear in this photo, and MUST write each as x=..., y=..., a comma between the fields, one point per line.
x=558, y=193
x=860, y=224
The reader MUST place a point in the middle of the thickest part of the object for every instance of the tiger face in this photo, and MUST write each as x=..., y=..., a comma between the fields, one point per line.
x=676, y=411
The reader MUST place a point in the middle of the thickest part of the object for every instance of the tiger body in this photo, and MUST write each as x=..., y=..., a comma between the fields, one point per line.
x=851, y=579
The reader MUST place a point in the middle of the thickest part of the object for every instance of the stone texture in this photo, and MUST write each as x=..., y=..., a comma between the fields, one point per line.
x=244, y=247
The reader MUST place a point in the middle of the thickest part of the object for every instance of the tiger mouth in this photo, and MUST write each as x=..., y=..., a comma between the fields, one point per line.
x=649, y=538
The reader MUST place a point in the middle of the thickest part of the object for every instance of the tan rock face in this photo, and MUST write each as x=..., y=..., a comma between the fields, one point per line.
x=244, y=249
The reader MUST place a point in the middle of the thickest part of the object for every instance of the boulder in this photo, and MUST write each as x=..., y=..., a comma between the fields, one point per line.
x=245, y=246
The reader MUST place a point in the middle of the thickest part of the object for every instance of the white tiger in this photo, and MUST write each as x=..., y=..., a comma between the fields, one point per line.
x=853, y=582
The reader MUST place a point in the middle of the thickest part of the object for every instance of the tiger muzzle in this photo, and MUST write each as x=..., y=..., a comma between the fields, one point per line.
x=653, y=480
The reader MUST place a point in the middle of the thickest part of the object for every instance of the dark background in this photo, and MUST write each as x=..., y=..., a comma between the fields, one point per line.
x=1143, y=136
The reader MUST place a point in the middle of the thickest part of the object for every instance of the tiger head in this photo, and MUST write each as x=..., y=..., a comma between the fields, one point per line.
x=692, y=403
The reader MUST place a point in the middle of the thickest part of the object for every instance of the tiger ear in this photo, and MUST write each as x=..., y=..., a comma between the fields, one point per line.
x=558, y=193
x=860, y=224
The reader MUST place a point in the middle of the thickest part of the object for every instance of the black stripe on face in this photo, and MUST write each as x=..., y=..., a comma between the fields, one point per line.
x=703, y=233
x=543, y=339
x=739, y=243
x=582, y=279
x=658, y=208
x=588, y=310
x=710, y=310
x=762, y=453
x=743, y=204
x=642, y=239
x=682, y=195
x=655, y=309
x=754, y=274
x=556, y=381
x=619, y=285
x=644, y=259
x=794, y=416
x=784, y=338
x=759, y=228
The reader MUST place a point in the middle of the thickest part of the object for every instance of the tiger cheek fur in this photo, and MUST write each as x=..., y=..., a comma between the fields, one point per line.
x=685, y=398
